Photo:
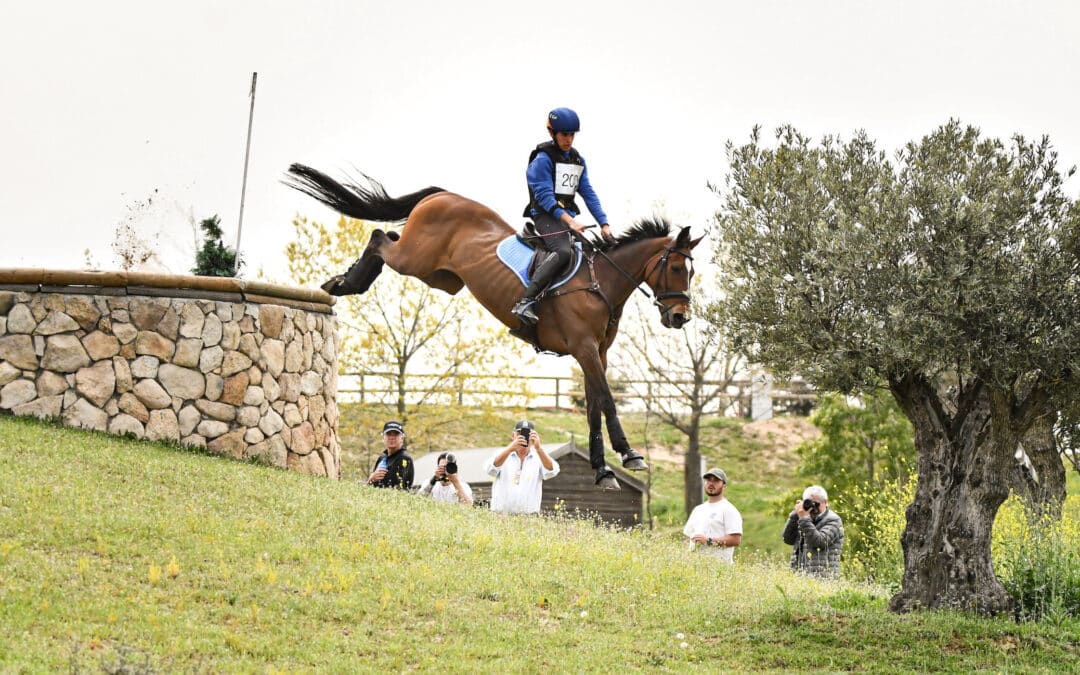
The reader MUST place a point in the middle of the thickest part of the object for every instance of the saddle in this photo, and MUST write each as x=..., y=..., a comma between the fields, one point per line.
x=520, y=251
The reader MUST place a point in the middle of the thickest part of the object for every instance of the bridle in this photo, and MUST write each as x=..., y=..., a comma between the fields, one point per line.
x=661, y=267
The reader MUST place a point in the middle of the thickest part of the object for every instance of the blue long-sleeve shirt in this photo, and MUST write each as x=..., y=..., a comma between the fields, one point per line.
x=539, y=176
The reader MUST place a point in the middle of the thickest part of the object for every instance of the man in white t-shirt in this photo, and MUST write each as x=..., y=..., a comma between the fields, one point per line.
x=716, y=526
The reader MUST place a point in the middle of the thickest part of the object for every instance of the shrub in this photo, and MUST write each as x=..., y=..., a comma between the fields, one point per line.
x=874, y=519
x=1038, y=560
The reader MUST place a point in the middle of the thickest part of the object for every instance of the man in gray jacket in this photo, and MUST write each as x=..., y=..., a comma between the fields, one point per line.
x=816, y=535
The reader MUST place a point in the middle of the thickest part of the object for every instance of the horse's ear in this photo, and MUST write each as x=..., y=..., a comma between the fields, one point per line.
x=696, y=241
x=683, y=240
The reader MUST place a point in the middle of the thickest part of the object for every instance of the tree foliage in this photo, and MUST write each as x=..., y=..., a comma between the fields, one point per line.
x=868, y=441
x=950, y=277
x=214, y=259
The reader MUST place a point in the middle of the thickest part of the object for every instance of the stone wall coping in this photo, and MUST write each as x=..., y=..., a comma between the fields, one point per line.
x=259, y=292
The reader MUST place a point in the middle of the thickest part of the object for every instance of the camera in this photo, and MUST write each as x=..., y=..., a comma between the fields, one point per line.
x=809, y=504
x=451, y=465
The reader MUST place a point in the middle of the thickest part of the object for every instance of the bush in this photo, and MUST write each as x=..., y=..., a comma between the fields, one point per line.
x=1038, y=560
x=874, y=519
x=214, y=259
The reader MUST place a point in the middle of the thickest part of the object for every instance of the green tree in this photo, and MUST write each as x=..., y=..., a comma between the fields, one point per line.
x=951, y=278
x=868, y=441
x=401, y=328
x=214, y=259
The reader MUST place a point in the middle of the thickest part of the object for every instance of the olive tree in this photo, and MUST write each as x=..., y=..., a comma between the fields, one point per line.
x=948, y=276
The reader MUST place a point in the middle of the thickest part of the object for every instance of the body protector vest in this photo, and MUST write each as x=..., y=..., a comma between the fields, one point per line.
x=565, y=178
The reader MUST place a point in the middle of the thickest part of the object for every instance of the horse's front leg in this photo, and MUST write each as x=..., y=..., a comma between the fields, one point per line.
x=597, y=400
x=631, y=459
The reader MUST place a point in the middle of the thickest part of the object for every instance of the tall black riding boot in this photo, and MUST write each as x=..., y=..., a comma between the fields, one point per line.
x=541, y=277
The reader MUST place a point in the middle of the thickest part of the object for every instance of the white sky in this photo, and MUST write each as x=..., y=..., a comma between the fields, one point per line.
x=103, y=103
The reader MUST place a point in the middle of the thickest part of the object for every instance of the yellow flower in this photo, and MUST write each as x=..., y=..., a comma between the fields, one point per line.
x=173, y=570
x=155, y=574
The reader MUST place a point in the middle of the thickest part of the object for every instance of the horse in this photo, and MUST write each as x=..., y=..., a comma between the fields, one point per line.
x=449, y=242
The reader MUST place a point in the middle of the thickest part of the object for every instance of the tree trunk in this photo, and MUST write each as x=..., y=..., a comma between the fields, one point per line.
x=1042, y=486
x=692, y=470
x=963, y=464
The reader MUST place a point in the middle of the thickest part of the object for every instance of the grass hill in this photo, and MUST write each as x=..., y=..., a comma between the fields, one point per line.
x=124, y=556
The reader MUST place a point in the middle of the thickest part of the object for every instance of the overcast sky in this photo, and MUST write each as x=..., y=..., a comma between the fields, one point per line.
x=104, y=105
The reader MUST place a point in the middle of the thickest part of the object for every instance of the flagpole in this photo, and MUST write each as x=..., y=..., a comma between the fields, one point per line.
x=243, y=184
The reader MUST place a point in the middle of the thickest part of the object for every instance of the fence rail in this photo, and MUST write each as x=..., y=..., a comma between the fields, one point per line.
x=552, y=391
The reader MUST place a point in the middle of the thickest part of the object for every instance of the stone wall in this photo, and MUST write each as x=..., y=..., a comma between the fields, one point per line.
x=245, y=369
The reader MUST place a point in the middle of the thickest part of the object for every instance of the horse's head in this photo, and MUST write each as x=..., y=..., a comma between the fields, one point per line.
x=668, y=274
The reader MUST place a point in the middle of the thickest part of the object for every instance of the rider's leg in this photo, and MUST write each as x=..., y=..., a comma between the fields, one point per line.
x=558, y=242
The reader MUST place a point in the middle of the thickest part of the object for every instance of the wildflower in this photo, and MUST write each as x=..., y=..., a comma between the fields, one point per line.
x=584, y=614
x=683, y=645
x=154, y=574
x=173, y=570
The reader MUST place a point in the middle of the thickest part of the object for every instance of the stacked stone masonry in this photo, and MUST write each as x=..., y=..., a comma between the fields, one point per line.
x=249, y=379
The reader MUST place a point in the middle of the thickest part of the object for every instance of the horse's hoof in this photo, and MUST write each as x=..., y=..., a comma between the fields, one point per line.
x=608, y=483
x=333, y=284
x=605, y=479
x=633, y=461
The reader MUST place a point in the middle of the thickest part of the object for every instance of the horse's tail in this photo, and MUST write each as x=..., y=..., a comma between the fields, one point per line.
x=366, y=203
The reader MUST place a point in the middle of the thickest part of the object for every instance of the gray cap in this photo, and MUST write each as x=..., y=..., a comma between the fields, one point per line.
x=716, y=473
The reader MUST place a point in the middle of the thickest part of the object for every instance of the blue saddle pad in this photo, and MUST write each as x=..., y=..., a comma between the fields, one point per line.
x=517, y=257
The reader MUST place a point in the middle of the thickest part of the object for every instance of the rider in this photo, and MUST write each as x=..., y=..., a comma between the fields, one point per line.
x=556, y=174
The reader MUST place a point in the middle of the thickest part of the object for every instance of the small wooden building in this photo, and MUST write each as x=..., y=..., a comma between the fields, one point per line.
x=573, y=490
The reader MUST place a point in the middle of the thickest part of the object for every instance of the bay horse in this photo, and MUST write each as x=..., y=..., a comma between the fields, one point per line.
x=449, y=242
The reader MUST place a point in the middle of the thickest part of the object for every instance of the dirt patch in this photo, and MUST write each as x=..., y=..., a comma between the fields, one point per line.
x=781, y=435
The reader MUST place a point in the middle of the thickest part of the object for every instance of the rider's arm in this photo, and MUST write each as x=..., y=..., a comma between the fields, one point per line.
x=588, y=194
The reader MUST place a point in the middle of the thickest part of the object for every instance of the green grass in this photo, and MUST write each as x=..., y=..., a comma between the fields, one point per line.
x=119, y=554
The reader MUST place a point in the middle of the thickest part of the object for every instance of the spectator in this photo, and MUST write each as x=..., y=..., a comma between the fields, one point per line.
x=519, y=471
x=446, y=485
x=715, y=526
x=394, y=468
x=816, y=535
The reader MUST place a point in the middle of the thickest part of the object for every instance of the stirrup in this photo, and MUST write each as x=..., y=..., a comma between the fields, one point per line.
x=524, y=311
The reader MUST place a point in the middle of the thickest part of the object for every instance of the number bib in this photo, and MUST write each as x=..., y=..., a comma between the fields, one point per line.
x=567, y=177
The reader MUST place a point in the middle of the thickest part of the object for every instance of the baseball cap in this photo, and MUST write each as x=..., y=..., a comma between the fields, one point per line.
x=393, y=426
x=716, y=473
x=524, y=424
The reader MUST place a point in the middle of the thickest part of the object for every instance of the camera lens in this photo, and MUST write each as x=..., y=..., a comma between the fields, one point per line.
x=809, y=504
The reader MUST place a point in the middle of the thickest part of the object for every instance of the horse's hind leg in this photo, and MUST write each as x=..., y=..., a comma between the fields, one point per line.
x=363, y=272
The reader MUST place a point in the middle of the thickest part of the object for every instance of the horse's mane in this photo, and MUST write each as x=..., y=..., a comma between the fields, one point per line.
x=646, y=228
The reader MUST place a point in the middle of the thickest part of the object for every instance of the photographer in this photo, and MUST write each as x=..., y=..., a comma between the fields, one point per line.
x=445, y=485
x=816, y=535
x=520, y=471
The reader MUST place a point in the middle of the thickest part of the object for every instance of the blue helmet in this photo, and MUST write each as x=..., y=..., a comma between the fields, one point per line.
x=563, y=120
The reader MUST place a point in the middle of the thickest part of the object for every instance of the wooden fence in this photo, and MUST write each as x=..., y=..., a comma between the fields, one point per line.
x=551, y=391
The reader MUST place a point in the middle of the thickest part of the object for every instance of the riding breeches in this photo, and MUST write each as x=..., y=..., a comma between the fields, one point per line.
x=555, y=237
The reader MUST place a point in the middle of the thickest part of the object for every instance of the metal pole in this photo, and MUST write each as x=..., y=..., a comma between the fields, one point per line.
x=243, y=184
